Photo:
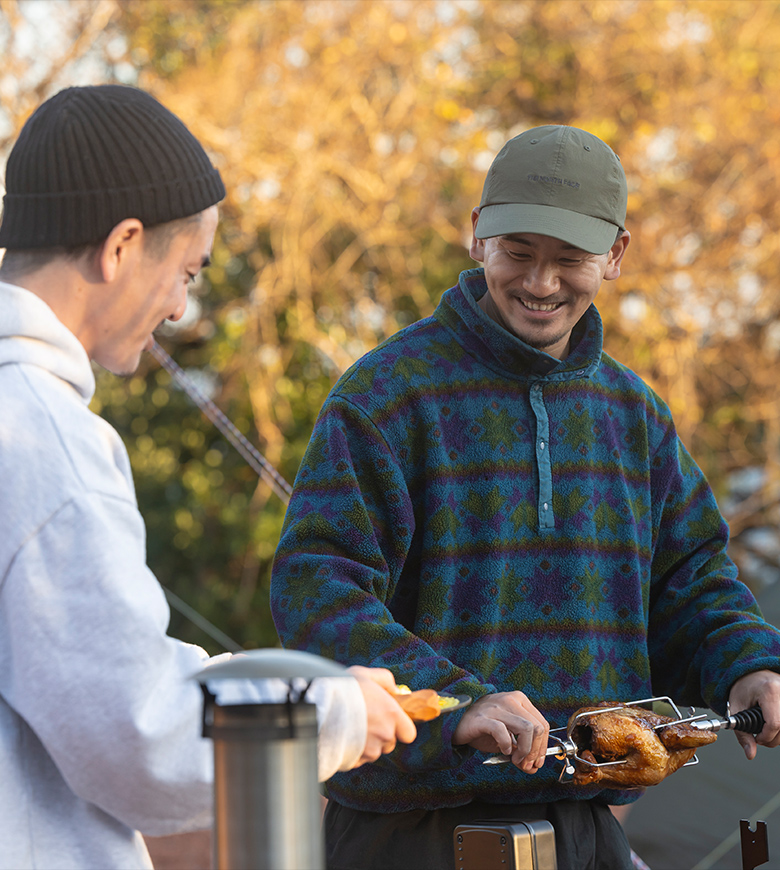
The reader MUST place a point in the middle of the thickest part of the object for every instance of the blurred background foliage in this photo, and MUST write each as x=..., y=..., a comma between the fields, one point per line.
x=353, y=137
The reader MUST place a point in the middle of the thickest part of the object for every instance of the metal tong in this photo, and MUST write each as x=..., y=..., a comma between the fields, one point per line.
x=566, y=750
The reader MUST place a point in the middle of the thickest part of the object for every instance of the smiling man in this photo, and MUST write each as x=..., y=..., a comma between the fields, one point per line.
x=110, y=212
x=490, y=505
x=540, y=287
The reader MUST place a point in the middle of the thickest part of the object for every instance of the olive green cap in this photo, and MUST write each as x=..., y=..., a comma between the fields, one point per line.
x=556, y=181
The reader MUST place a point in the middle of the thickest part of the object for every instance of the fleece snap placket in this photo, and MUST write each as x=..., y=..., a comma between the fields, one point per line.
x=543, y=465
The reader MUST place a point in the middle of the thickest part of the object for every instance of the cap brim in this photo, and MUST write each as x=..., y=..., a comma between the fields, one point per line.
x=583, y=231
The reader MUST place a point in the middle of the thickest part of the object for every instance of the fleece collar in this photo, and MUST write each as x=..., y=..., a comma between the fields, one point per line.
x=483, y=338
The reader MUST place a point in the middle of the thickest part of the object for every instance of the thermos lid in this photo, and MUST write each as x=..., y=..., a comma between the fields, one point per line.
x=259, y=664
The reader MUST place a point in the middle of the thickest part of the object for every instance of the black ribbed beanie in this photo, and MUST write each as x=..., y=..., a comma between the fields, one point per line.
x=89, y=157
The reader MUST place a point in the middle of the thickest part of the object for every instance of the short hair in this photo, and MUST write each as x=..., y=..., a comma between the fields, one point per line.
x=157, y=241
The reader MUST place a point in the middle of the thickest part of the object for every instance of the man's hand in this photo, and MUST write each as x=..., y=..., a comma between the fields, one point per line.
x=506, y=722
x=387, y=722
x=762, y=688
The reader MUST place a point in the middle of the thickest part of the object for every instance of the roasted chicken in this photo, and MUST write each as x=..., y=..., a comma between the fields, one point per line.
x=628, y=734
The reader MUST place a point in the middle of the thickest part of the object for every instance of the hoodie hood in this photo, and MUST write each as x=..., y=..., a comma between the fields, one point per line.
x=31, y=334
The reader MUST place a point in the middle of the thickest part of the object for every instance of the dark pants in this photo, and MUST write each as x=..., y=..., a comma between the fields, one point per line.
x=587, y=835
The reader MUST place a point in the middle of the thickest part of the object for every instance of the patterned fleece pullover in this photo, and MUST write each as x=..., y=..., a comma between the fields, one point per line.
x=478, y=516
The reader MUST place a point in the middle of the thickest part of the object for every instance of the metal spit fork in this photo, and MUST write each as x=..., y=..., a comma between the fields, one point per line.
x=566, y=750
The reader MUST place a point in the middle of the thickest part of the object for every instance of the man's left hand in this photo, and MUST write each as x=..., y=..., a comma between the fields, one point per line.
x=762, y=688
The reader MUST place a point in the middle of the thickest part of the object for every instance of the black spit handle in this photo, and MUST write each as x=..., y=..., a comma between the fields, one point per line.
x=751, y=721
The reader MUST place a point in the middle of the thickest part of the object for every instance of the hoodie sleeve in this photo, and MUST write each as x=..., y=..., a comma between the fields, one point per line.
x=111, y=697
x=341, y=713
x=93, y=673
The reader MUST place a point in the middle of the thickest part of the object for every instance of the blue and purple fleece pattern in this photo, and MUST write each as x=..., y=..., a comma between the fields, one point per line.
x=478, y=516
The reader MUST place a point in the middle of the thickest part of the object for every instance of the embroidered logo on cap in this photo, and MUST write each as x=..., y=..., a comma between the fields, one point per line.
x=553, y=179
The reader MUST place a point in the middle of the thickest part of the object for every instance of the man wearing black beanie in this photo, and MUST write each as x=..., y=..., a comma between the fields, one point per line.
x=99, y=177
x=110, y=210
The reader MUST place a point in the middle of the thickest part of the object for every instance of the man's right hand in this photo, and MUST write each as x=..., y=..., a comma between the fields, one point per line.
x=506, y=722
x=387, y=722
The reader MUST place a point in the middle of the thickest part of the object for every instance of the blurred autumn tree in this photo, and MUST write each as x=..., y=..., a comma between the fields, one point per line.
x=38, y=60
x=353, y=138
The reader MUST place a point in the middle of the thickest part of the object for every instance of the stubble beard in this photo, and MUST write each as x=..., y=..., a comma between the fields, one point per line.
x=488, y=305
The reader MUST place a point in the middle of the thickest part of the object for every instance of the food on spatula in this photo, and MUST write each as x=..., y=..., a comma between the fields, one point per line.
x=628, y=734
x=424, y=704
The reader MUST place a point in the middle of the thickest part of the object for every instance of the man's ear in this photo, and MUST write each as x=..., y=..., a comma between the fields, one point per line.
x=477, y=249
x=122, y=247
x=615, y=257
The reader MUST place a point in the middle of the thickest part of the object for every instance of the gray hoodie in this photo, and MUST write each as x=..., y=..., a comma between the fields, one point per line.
x=99, y=719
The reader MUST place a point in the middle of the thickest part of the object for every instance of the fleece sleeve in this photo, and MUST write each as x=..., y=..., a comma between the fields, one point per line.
x=706, y=630
x=89, y=667
x=347, y=533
